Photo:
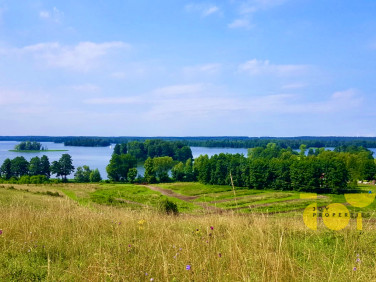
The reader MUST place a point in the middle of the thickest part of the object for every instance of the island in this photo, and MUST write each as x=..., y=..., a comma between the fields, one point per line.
x=32, y=147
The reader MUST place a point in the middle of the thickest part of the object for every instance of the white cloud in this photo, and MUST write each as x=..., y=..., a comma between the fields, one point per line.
x=81, y=57
x=203, y=9
x=206, y=69
x=174, y=90
x=240, y=23
x=294, y=86
x=251, y=6
x=114, y=100
x=259, y=67
x=89, y=88
x=55, y=15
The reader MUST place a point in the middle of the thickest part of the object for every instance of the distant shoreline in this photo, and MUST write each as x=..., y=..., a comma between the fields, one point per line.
x=36, y=151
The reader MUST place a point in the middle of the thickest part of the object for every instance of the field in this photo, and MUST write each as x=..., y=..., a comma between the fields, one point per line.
x=114, y=232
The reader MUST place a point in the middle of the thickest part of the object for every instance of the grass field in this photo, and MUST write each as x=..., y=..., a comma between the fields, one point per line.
x=108, y=232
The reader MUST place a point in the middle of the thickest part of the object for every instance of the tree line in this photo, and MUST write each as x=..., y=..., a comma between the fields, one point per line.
x=274, y=167
x=39, y=170
x=218, y=141
x=87, y=142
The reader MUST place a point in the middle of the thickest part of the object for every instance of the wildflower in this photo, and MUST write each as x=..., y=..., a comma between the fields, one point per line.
x=220, y=255
x=354, y=268
x=142, y=222
x=1, y=232
x=358, y=260
x=151, y=279
x=369, y=192
x=211, y=227
x=197, y=231
x=129, y=245
x=180, y=249
x=188, y=267
x=357, y=255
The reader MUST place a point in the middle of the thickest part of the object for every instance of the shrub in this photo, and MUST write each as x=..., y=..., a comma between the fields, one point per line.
x=168, y=207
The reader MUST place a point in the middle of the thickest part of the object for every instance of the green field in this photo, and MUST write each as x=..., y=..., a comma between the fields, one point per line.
x=115, y=232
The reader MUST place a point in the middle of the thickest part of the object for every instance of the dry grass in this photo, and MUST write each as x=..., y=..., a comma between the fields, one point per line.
x=56, y=239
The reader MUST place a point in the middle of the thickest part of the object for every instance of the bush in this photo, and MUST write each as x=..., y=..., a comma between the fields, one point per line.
x=168, y=207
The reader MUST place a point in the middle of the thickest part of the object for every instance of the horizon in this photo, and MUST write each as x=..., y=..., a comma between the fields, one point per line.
x=188, y=68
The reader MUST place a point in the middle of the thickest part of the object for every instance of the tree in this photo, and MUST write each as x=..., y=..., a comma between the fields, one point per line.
x=95, y=176
x=119, y=166
x=132, y=174
x=35, y=166
x=82, y=174
x=6, y=171
x=177, y=172
x=162, y=165
x=45, y=166
x=302, y=149
x=19, y=166
x=63, y=167
x=150, y=174
x=188, y=171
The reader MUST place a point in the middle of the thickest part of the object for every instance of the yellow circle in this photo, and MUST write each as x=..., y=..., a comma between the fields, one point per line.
x=336, y=216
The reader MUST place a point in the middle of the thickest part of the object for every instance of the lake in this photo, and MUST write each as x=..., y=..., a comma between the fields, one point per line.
x=94, y=157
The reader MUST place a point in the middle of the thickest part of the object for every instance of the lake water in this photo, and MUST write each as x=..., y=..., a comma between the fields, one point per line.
x=94, y=157
x=98, y=157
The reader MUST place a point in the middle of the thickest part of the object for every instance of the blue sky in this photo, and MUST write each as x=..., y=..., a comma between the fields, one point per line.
x=188, y=68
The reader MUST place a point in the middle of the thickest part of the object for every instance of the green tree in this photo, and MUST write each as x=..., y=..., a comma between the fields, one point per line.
x=178, y=173
x=35, y=166
x=95, y=176
x=63, y=167
x=150, y=174
x=188, y=171
x=45, y=166
x=82, y=174
x=132, y=174
x=119, y=166
x=6, y=170
x=162, y=165
x=19, y=166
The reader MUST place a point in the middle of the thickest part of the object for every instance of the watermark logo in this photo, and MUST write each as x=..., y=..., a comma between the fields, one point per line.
x=336, y=216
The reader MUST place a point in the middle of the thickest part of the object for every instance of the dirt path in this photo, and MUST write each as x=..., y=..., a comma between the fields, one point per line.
x=171, y=193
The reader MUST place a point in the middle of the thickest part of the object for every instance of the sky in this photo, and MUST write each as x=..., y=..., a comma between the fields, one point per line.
x=188, y=68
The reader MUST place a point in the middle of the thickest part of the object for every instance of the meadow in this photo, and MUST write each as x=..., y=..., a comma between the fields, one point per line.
x=115, y=232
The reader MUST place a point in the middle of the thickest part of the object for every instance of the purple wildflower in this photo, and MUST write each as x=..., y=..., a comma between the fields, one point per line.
x=151, y=279
x=358, y=260
x=188, y=267
x=1, y=232
x=354, y=268
x=211, y=227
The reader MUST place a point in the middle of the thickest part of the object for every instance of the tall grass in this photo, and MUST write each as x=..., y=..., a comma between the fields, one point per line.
x=56, y=239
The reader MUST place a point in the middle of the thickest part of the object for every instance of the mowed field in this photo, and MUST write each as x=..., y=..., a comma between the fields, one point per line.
x=115, y=232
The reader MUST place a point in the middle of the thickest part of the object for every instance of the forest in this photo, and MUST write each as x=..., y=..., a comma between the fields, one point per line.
x=215, y=141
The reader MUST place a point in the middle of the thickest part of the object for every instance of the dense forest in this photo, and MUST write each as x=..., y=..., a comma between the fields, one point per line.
x=221, y=141
x=87, y=142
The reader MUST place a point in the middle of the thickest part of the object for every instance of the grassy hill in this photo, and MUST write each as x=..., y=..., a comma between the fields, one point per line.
x=114, y=232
